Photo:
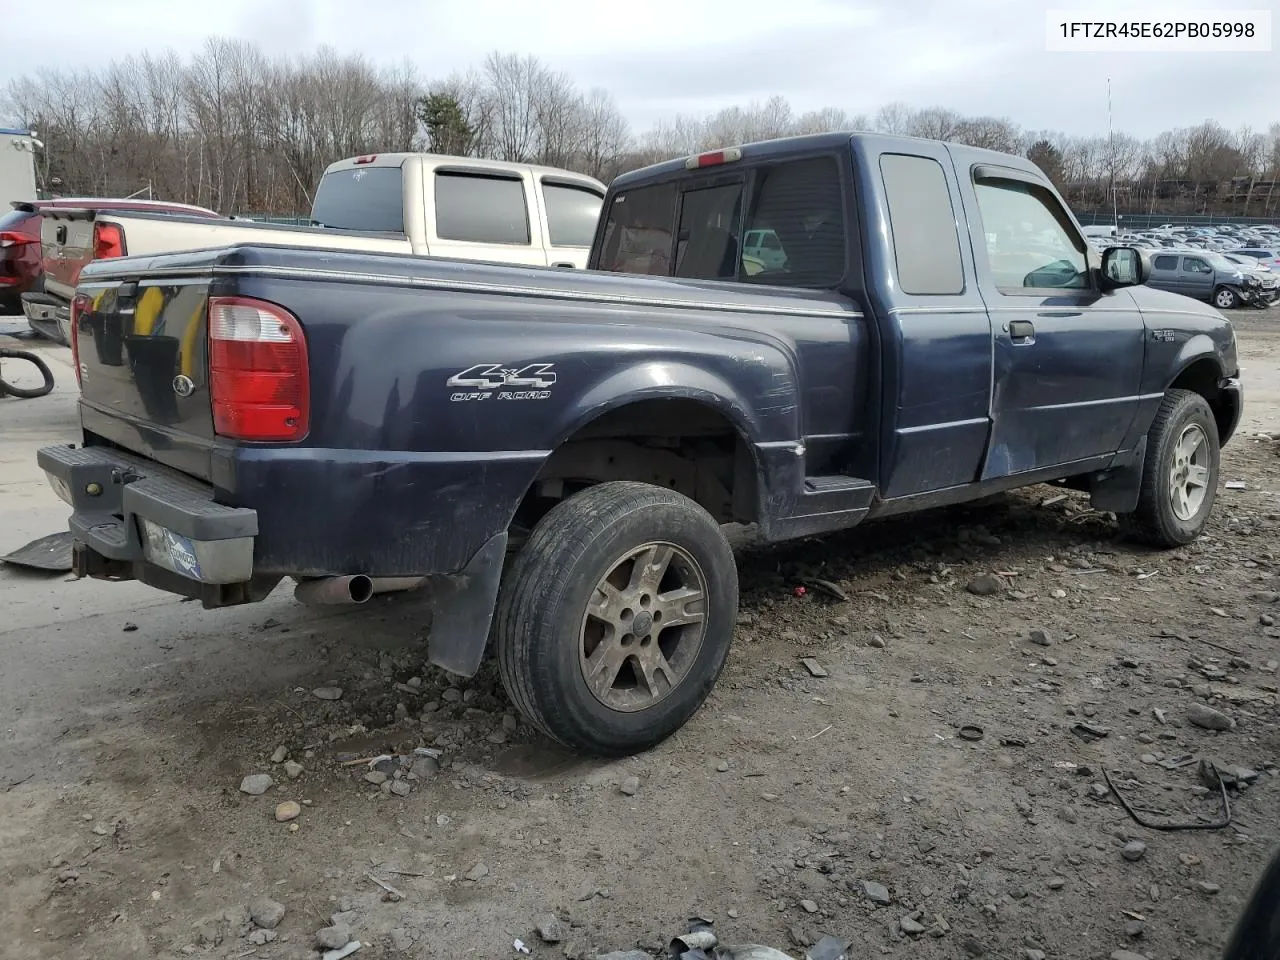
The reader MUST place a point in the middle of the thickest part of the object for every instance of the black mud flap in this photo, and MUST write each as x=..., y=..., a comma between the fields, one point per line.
x=462, y=609
x=51, y=554
x=1117, y=489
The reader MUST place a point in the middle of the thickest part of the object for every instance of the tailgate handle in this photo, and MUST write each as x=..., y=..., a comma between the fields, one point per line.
x=61, y=233
x=127, y=290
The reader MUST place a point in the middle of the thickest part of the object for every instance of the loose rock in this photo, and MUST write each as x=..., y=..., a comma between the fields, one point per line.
x=723, y=766
x=256, y=784
x=265, y=912
x=280, y=755
x=1040, y=638
x=424, y=768
x=550, y=929
x=478, y=872
x=987, y=585
x=876, y=892
x=1205, y=886
x=1208, y=718
x=808, y=906
x=292, y=769
x=629, y=786
x=289, y=810
x=401, y=788
x=332, y=938
x=1135, y=929
x=814, y=667
x=327, y=693
x=376, y=777
x=1033, y=954
x=1133, y=851
x=911, y=926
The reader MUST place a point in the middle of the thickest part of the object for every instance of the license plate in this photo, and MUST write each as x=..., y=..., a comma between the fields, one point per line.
x=170, y=550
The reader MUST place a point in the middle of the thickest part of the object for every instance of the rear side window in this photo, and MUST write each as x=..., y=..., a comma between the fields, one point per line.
x=572, y=213
x=710, y=224
x=481, y=209
x=801, y=204
x=639, y=234
x=366, y=198
x=925, y=243
x=1165, y=263
x=1195, y=265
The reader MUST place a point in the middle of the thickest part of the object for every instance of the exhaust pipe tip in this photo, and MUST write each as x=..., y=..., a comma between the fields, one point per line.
x=360, y=587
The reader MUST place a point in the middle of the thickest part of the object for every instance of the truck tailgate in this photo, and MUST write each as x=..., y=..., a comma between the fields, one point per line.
x=66, y=245
x=142, y=351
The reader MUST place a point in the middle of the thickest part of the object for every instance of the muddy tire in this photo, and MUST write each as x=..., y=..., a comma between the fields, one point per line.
x=1180, y=474
x=614, y=621
x=1224, y=298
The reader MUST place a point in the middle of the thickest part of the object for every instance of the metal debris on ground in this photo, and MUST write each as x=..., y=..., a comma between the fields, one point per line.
x=826, y=586
x=814, y=667
x=1224, y=821
x=51, y=554
x=392, y=893
x=1087, y=731
x=971, y=732
x=519, y=947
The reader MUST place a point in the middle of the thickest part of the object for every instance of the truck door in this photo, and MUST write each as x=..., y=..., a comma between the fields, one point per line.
x=934, y=330
x=1197, y=278
x=1067, y=356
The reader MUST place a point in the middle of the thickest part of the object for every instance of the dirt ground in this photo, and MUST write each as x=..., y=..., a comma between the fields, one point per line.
x=130, y=723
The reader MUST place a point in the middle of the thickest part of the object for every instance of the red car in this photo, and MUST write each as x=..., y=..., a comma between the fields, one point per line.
x=21, y=268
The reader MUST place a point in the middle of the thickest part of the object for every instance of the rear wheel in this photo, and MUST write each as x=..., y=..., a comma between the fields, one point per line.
x=615, y=620
x=1224, y=298
x=1180, y=474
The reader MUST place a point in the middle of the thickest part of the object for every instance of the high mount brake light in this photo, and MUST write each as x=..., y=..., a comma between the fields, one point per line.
x=259, y=381
x=714, y=158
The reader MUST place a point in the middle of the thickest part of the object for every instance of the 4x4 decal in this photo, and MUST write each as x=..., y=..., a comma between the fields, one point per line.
x=484, y=380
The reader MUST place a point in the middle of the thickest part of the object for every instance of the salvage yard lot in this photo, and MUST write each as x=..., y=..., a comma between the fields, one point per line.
x=130, y=720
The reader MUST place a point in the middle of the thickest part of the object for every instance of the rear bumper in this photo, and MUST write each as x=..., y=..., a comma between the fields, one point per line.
x=48, y=316
x=134, y=519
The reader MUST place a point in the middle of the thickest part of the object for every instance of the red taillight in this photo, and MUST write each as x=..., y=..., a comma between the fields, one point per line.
x=9, y=239
x=258, y=376
x=714, y=159
x=108, y=241
x=80, y=304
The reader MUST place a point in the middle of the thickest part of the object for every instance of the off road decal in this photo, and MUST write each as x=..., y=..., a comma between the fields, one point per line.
x=487, y=381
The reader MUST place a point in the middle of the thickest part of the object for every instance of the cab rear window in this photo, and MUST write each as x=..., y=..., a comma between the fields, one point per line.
x=778, y=224
x=365, y=198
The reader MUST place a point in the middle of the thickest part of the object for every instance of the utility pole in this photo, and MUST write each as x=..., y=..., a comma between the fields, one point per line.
x=1111, y=141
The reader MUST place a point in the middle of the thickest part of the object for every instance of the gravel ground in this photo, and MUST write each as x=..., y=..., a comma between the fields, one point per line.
x=850, y=803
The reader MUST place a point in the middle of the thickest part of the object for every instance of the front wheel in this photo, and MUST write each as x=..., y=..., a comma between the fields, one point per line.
x=615, y=619
x=1224, y=298
x=1180, y=473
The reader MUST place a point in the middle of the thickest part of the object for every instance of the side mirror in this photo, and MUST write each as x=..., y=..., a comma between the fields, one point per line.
x=1124, y=267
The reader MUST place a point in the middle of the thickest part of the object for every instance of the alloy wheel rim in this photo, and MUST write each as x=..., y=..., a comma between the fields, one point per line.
x=1189, y=472
x=643, y=627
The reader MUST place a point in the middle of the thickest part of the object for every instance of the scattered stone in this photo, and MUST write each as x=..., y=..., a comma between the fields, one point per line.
x=292, y=769
x=876, y=641
x=1208, y=718
x=972, y=947
x=452, y=695
x=1149, y=758
x=550, y=929
x=1135, y=929
x=478, y=872
x=1146, y=738
x=876, y=892
x=1205, y=886
x=497, y=736
x=474, y=714
x=1126, y=955
x=280, y=755
x=1033, y=954
x=1040, y=638
x=260, y=937
x=289, y=810
x=401, y=788
x=723, y=766
x=814, y=667
x=424, y=768
x=1266, y=619
x=987, y=585
x=629, y=786
x=327, y=693
x=401, y=711
x=130, y=627
x=376, y=777
x=265, y=912
x=808, y=906
x=401, y=940
x=510, y=723
x=1056, y=883
x=911, y=926
x=1133, y=851
x=1069, y=814
x=332, y=938
x=256, y=784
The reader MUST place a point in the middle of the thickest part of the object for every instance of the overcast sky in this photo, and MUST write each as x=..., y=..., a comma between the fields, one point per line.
x=662, y=57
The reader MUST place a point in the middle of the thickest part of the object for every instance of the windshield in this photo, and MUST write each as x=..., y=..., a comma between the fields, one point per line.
x=366, y=198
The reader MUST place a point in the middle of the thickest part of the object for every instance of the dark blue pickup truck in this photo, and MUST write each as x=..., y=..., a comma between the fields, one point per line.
x=552, y=454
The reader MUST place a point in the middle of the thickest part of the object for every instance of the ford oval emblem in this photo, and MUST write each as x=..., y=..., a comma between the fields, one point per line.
x=183, y=385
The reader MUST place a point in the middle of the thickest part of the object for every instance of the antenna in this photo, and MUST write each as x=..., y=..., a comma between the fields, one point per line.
x=1111, y=148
